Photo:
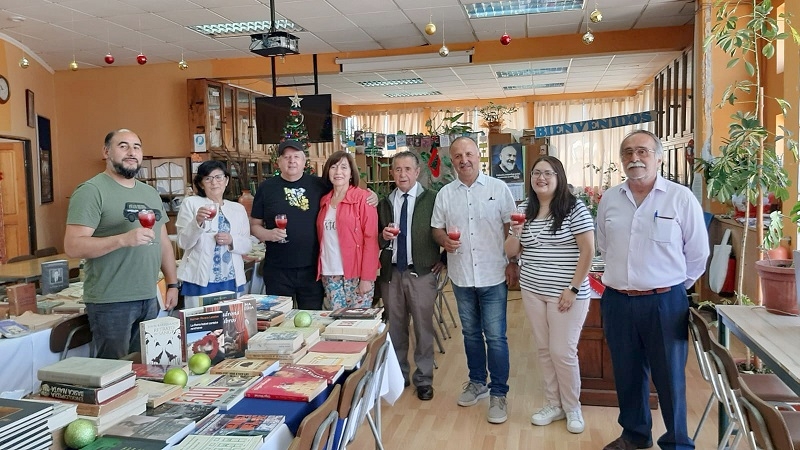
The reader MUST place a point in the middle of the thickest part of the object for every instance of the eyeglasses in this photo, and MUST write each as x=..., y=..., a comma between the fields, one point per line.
x=214, y=178
x=547, y=174
x=640, y=152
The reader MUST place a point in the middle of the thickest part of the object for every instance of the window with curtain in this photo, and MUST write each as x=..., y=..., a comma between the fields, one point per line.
x=411, y=121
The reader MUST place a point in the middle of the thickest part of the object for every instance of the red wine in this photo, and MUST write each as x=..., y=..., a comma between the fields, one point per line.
x=281, y=223
x=147, y=219
x=454, y=235
x=212, y=213
x=518, y=217
x=394, y=231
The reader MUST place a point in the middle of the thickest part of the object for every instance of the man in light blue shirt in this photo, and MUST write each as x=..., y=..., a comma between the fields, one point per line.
x=653, y=238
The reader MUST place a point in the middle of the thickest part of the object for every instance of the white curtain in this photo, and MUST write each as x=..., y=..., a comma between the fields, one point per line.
x=410, y=121
x=599, y=148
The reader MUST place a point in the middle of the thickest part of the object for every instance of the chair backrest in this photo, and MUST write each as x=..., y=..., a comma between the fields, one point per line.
x=320, y=425
x=728, y=365
x=47, y=251
x=353, y=404
x=374, y=388
x=372, y=348
x=765, y=422
x=21, y=258
x=70, y=333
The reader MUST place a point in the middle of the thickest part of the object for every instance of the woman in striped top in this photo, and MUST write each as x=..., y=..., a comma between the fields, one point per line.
x=556, y=244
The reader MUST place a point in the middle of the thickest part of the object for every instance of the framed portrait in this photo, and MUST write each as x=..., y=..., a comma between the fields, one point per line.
x=30, y=108
x=45, y=160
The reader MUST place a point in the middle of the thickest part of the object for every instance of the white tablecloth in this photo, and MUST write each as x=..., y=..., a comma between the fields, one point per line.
x=21, y=358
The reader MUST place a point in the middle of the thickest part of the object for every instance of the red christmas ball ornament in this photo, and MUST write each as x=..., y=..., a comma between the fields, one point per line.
x=109, y=58
x=505, y=39
x=141, y=59
x=294, y=112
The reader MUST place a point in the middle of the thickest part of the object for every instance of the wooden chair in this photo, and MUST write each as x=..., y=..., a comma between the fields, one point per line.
x=20, y=258
x=353, y=404
x=770, y=429
x=320, y=425
x=71, y=333
x=47, y=251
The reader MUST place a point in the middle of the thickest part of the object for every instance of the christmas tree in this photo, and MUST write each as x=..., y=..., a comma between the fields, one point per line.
x=294, y=129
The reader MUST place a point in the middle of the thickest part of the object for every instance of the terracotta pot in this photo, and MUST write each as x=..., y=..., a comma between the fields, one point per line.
x=778, y=286
x=246, y=199
x=494, y=127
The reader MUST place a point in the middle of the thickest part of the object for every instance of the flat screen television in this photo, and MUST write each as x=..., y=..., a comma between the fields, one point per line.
x=272, y=113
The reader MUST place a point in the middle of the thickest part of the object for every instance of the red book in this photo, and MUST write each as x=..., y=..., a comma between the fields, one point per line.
x=339, y=347
x=282, y=388
x=329, y=373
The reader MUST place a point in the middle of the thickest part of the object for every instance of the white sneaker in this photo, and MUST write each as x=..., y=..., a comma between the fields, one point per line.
x=575, y=422
x=547, y=415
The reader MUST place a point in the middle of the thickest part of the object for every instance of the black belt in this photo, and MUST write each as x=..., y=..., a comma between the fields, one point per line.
x=633, y=293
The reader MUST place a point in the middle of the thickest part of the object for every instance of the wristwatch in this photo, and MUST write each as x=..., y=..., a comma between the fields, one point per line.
x=173, y=285
x=573, y=288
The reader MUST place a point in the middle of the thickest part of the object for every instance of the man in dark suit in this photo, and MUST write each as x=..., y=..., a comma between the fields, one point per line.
x=408, y=269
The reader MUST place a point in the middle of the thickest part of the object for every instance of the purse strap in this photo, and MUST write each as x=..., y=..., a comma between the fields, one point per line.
x=726, y=237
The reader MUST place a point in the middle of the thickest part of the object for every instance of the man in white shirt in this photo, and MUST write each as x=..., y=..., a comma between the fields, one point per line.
x=653, y=238
x=480, y=207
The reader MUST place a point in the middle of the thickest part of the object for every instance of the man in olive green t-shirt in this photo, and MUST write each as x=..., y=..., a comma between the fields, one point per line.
x=122, y=256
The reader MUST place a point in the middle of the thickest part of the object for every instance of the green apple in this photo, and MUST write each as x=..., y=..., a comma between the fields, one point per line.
x=80, y=433
x=176, y=376
x=302, y=319
x=199, y=363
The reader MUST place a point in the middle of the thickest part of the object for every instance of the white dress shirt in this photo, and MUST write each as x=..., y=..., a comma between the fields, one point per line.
x=479, y=211
x=661, y=243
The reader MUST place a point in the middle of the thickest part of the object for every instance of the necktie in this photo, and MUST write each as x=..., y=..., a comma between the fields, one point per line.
x=402, y=251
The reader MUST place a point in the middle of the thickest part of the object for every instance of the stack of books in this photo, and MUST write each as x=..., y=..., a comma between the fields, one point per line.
x=158, y=393
x=316, y=372
x=351, y=330
x=287, y=388
x=319, y=319
x=24, y=424
x=346, y=353
x=161, y=430
x=352, y=312
x=241, y=425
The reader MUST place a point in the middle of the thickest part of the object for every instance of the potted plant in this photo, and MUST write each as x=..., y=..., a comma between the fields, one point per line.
x=747, y=163
x=493, y=115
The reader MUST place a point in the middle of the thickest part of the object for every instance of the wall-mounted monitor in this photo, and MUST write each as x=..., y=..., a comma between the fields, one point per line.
x=272, y=114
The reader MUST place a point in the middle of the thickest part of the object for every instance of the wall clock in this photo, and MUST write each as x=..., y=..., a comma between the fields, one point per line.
x=5, y=91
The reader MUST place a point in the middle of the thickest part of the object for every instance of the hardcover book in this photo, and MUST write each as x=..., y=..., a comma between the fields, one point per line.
x=86, y=394
x=35, y=436
x=158, y=393
x=278, y=303
x=349, y=360
x=272, y=317
x=204, y=333
x=315, y=371
x=202, y=442
x=36, y=322
x=93, y=372
x=241, y=425
x=280, y=357
x=136, y=406
x=154, y=372
x=353, y=327
x=359, y=348
x=223, y=398
x=55, y=276
x=17, y=414
x=165, y=429
x=319, y=319
x=352, y=312
x=63, y=413
x=21, y=298
x=11, y=328
x=278, y=340
x=283, y=388
x=160, y=341
x=200, y=414
x=216, y=297
x=245, y=367
x=125, y=443
x=236, y=328
x=217, y=380
x=91, y=409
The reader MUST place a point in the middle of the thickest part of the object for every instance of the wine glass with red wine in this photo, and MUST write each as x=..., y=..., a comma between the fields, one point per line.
x=455, y=234
x=518, y=216
x=148, y=219
x=392, y=227
x=281, y=221
x=212, y=212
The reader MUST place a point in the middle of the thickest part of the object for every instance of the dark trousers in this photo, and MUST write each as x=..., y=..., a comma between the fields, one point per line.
x=648, y=335
x=115, y=326
x=300, y=283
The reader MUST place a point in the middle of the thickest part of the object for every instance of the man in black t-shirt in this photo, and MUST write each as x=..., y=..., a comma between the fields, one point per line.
x=290, y=268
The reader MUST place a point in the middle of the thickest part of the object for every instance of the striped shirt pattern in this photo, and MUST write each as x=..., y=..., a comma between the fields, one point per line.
x=549, y=260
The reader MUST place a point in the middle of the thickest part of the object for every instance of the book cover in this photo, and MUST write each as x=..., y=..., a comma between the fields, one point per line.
x=134, y=407
x=86, y=394
x=160, y=341
x=158, y=393
x=16, y=414
x=93, y=372
x=353, y=326
x=319, y=319
x=55, y=276
x=245, y=367
x=21, y=298
x=241, y=425
x=352, y=312
x=203, y=442
x=223, y=398
x=278, y=340
x=154, y=372
x=63, y=413
x=36, y=436
x=91, y=409
x=236, y=330
x=339, y=347
x=283, y=388
x=124, y=443
x=216, y=297
x=46, y=306
x=217, y=380
x=36, y=322
x=347, y=337
x=200, y=414
x=349, y=360
x=278, y=303
x=204, y=333
x=11, y=328
x=165, y=429
x=315, y=371
x=280, y=357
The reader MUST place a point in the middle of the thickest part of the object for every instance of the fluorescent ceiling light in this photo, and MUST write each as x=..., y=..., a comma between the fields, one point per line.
x=530, y=72
x=402, y=62
x=532, y=86
x=411, y=94
x=245, y=28
x=516, y=7
x=378, y=83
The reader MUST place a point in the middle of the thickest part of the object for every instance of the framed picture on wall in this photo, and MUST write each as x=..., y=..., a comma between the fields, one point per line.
x=45, y=160
x=30, y=108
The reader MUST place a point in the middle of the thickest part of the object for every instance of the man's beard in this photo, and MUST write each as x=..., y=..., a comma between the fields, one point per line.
x=125, y=172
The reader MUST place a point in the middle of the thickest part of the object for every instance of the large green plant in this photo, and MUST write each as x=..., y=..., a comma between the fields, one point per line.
x=747, y=164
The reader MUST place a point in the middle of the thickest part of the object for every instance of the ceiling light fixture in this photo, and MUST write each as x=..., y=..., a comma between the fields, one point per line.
x=519, y=7
x=379, y=83
x=404, y=62
x=411, y=94
x=531, y=72
x=532, y=86
x=223, y=30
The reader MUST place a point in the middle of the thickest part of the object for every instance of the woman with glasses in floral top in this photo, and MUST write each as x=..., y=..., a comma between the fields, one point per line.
x=555, y=243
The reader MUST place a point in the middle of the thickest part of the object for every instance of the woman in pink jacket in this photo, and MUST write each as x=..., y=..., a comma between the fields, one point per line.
x=347, y=227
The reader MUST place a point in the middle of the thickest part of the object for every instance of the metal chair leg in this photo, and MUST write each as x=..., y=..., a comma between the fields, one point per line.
x=703, y=417
x=442, y=299
x=438, y=339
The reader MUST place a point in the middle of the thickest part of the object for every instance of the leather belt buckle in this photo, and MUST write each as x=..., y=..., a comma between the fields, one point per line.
x=633, y=293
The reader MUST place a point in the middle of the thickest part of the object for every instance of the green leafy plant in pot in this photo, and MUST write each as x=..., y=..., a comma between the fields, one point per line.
x=748, y=164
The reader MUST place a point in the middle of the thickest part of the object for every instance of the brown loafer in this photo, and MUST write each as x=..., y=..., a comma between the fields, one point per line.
x=621, y=443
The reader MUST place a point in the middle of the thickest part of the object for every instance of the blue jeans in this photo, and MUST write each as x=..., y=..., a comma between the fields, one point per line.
x=115, y=326
x=482, y=311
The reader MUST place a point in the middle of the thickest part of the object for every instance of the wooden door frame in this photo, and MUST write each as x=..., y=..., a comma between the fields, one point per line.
x=29, y=188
